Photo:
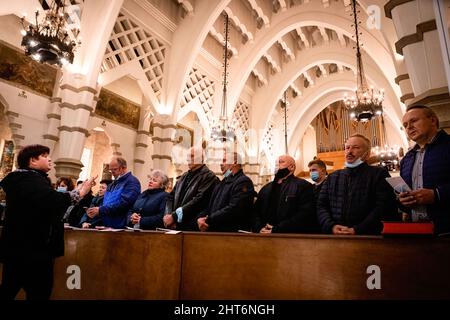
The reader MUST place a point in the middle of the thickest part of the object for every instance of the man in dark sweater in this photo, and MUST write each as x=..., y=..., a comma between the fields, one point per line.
x=425, y=168
x=354, y=200
x=285, y=205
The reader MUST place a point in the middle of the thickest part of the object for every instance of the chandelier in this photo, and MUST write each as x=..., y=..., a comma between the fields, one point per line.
x=222, y=131
x=367, y=103
x=49, y=42
x=387, y=156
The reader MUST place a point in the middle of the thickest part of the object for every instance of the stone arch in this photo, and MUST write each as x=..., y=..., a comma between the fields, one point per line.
x=319, y=102
x=100, y=151
x=297, y=17
x=335, y=54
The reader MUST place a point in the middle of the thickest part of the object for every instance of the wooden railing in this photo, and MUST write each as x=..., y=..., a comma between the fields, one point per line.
x=154, y=265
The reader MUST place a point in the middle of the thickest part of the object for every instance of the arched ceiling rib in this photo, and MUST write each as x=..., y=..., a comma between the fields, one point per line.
x=265, y=100
x=306, y=109
x=187, y=42
x=250, y=55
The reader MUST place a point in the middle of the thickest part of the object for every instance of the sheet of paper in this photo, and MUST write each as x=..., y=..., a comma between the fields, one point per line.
x=110, y=230
x=168, y=231
x=398, y=184
x=133, y=229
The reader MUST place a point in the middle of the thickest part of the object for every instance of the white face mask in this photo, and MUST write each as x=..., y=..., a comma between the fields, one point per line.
x=61, y=189
x=227, y=173
x=354, y=164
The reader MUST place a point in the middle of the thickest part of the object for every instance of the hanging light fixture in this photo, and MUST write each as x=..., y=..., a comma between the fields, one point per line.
x=367, y=103
x=387, y=156
x=49, y=42
x=222, y=131
x=284, y=105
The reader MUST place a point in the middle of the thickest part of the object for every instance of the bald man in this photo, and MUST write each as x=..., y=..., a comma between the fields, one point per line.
x=285, y=205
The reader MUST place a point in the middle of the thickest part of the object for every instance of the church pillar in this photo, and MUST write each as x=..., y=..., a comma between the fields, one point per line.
x=163, y=130
x=420, y=44
x=78, y=85
x=252, y=171
x=141, y=163
x=76, y=107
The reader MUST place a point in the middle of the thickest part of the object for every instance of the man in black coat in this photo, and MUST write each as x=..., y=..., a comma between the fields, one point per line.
x=33, y=234
x=191, y=194
x=356, y=199
x=285, y=205
x=231, y=203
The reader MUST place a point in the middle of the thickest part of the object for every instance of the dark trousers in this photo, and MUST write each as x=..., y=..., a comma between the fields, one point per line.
x=34, y=276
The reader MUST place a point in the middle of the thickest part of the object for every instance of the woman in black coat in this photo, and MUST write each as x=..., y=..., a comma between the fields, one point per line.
x=33, y=233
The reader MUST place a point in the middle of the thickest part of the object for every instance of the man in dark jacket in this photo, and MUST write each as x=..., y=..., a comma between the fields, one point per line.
x=354, y=200
x=425, y=168
x=33, y=234
x=286, y=204
x=191, y=194
x=231, y=203
x=97, y=201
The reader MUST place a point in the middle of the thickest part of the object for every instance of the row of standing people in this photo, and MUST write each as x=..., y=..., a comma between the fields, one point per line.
x=353, y=200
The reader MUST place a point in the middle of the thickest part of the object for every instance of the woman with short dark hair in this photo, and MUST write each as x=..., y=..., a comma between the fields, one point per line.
x=33, y=233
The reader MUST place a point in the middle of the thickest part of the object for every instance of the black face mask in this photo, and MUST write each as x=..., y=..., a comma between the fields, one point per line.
x=281, y=174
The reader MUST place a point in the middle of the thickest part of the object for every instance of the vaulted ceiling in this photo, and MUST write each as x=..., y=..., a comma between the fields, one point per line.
x=304, y=47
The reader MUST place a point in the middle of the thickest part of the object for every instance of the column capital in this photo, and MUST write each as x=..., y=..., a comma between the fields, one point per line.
x=66, y=167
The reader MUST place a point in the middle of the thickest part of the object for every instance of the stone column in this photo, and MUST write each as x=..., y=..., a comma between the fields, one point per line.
x=78, y=85
x=252, y=171
x=51, y=137
x=163, y=130
x=442, y=12
x=141, y=163
x=403, y=81
x=419, y=42
x=76, y=107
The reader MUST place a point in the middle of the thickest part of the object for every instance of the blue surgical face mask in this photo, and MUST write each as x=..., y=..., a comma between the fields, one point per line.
x=227, y=173
x=314, y=175
x=356, y=163
x=61, y=189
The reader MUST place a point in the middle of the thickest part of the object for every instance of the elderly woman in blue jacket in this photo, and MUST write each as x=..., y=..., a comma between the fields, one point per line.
x=148, y=209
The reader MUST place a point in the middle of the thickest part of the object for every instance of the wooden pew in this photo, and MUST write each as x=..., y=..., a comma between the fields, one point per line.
x=247, y=266
x=152, y=265
x=120, y=265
